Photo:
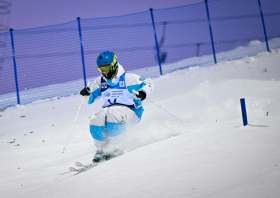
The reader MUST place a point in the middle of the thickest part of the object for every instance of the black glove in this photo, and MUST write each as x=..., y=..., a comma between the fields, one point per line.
x=85, y=91
x=141, y=95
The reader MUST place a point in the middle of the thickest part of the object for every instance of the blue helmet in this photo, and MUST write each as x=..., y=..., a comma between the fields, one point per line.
x=107, y=62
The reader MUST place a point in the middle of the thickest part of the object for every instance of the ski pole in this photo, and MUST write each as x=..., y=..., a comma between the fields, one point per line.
x=137, y=93
x=75, y=120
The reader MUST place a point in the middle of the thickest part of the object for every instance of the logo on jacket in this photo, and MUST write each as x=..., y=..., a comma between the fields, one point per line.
x=104, y=85
x=141, y=79
x=121, y=83
x=108, y=95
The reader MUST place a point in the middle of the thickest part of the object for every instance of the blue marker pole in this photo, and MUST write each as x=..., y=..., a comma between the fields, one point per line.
x=264, y=29
x=210, y=29
x=159, y=62
x=15, y=65
x=82, y=51
x=243, y=110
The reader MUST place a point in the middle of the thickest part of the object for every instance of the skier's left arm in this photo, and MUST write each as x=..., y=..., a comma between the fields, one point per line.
x=143, y=86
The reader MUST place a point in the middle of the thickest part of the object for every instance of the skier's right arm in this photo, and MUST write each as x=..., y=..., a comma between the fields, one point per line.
x=95, y=90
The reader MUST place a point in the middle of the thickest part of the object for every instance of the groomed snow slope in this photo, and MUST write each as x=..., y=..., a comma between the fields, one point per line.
x=210, y=154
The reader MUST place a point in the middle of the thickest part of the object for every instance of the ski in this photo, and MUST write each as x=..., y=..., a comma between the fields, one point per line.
x=84, y=167
x=91, y=165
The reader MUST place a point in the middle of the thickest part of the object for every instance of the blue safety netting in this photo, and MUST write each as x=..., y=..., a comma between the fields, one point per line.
x=130, y=37
x=50, y=61
x=47, y=56
x=234, y=24
x=8, y=94
x=271, y=13
x=182, y=33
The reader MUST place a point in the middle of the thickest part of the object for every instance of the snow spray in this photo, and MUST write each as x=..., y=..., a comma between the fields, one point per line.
x=137, y=93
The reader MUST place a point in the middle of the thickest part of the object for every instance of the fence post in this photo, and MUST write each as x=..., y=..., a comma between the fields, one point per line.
x=82, y=51
x=159, y=62
x=264, y=29
x=15, y=65
x=211, y=35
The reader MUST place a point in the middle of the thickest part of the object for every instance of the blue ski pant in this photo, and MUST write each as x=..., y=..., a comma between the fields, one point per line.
x=110, y=122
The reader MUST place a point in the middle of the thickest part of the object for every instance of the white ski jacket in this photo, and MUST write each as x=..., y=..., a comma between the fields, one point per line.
x=119, y=90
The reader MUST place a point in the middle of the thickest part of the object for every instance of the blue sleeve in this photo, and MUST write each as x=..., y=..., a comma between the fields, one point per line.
x=94, y=95
x=137, y=87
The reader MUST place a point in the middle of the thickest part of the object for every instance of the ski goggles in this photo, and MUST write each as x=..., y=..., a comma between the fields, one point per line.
x=105, y=68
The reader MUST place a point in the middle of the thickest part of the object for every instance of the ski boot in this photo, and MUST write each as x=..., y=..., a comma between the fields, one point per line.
x=98, y=156
x=109, y=155
x=112, y=154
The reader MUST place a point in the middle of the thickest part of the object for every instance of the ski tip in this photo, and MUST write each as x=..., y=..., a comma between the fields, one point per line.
x=72, y=169
x=79, y=164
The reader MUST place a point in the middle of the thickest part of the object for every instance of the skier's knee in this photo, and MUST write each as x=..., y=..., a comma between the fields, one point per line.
x=95, y=121
x=115, y=115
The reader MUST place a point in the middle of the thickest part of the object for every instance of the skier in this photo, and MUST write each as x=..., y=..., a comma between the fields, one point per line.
x=122, y=106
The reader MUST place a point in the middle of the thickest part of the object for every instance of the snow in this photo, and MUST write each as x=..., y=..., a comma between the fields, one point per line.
x=207, y=154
